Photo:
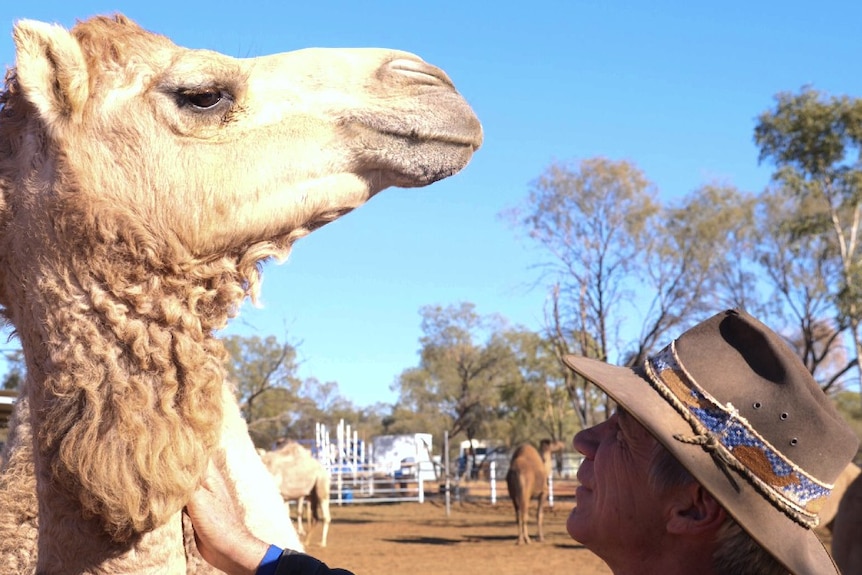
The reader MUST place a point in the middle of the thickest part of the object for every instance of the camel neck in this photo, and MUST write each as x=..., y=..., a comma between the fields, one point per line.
x=108, y=367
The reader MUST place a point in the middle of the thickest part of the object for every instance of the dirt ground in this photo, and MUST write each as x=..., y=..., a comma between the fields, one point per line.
x=476, y=538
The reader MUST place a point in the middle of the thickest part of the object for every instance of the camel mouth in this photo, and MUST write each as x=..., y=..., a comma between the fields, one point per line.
x=416, y=163
x=453, y=124
x=415, y=148
x=467, y=140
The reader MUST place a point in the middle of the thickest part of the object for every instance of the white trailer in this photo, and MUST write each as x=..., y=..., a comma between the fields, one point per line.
x=404, y=456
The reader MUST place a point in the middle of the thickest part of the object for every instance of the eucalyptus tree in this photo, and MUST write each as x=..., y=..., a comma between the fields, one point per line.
x=815, y=143
x=592, y=220
x=623, y=270
x=318, y=402
x=800, y=277
x=464, y=364
x=536, y=398
x=694, y=263
x=264, y=372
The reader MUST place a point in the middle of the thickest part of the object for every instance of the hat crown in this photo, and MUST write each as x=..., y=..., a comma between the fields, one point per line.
x=769, y=386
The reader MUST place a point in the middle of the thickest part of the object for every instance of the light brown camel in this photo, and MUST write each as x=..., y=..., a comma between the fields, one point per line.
x=527, y=478
x=141, y=187
x=299, y=476
x=830, y=505
x=847, y=528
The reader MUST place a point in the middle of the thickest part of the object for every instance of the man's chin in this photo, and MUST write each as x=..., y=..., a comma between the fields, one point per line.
x=576, y=524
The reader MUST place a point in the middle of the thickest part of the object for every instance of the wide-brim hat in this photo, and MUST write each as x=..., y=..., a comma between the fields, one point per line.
x=737, y=407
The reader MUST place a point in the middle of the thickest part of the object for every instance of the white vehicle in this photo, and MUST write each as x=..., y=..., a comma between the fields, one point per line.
x=475, y=454
x=404, y=456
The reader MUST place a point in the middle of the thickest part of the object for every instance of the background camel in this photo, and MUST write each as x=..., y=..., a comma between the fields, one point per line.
x=830, y=506
x=298, y=476
x=141, y=187
x=847, y=526
x=527, y=478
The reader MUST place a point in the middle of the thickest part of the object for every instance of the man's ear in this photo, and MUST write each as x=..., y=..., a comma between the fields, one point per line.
x=694, y=511
x=51, y=71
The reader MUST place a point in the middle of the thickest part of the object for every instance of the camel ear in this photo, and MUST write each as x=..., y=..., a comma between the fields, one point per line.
x=51, y=70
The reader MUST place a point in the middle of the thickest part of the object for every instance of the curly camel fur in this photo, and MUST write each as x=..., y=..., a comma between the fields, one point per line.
x=527, y=477
x=299, y=476
x=141, y=187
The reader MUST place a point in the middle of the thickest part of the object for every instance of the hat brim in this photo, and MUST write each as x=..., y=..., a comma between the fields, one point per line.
x=796, y=547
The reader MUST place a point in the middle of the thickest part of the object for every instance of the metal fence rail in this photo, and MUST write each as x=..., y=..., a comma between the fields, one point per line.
x=364, y=484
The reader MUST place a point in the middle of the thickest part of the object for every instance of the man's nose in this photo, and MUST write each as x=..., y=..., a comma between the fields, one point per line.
x=585, y=441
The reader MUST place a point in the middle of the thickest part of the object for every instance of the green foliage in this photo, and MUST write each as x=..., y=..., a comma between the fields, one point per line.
x=459, y=375
x=323, y=403
x=593, y=220
x=848, y=404
x=479, y=378
x=278, y=404
x=623, y=269
x=813, y=226
x=800, y=270
x=536, y=400
x=810, y=132
x=264, y=373
x=15, y=370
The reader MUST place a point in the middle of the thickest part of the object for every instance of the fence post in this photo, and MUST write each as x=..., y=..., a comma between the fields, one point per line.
x=446, y=459
x=339, y=458
x=493, y=472
x=551, y=489
x=421, y=485
x=370, y=470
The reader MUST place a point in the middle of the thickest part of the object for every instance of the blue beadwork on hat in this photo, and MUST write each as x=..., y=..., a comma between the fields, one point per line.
x=732, y=439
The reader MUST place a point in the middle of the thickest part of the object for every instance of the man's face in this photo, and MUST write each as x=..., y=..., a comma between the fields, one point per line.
x=618, y=515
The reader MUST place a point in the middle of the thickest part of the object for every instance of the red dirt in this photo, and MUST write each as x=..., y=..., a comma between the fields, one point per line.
x=476, y=538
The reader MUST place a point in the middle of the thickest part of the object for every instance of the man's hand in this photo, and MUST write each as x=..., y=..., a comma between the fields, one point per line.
x=221, y=536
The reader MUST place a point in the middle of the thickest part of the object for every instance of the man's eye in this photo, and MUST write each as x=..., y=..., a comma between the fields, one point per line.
x=621, y=436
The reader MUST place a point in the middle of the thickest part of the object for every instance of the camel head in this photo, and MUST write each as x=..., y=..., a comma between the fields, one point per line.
x=216, y=153
x=547, y=448
x=141, y=183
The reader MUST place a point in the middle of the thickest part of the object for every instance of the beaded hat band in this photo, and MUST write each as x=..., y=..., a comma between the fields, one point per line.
x=735, y=444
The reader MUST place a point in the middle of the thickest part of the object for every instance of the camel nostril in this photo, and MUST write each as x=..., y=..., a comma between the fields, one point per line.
x=421, y=72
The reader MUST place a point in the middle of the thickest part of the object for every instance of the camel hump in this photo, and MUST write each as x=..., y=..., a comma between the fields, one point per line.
x=830, y=508
x=538, y=462
x=294, y=449
x=522, y=449
x=525, y=457
x=546, y=447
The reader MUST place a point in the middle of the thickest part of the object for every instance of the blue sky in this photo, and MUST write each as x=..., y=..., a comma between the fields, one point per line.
x=673, y=86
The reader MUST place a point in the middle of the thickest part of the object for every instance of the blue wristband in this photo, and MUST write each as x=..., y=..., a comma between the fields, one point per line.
x=269, y=562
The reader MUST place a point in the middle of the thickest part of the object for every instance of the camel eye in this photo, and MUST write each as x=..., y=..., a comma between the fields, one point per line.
x=202, y=100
